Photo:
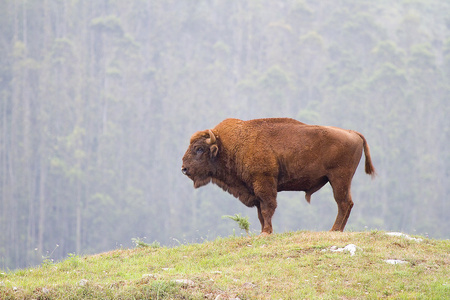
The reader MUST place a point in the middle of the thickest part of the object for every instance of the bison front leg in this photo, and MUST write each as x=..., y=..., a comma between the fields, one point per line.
x=267, y=196
x=260, y=216
x=267, y=211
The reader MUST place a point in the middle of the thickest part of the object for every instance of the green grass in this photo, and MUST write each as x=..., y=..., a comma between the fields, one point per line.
x=296, y=265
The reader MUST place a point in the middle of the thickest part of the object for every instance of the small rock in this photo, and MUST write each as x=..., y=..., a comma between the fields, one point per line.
x=395, y=261
x=220, y=297
x=45, y=290
x=15, y=288
x=185, y=282
x=148, y=276
x=404, y=236
x=249, y=285
x=350, y=248
x=82, y=282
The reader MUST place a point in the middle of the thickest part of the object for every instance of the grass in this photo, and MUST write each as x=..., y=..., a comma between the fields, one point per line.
x=295, y=265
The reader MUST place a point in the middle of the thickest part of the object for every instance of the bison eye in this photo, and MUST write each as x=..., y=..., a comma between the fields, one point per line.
x=199, y=150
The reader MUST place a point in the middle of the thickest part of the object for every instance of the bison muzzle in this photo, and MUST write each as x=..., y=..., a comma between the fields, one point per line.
x=253, y=160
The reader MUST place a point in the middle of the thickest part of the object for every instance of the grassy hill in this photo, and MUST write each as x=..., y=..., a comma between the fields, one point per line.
x=296, y=265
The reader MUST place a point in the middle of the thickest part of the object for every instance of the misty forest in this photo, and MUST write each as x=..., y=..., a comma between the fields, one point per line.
x=98, y=100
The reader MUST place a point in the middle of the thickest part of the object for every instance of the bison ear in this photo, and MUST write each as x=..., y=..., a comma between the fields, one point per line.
x=214, y=150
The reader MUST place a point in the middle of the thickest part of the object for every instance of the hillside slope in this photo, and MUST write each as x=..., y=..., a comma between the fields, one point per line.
x=294, y=265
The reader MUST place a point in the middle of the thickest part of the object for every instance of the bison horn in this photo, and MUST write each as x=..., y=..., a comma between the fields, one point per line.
x=212, y=137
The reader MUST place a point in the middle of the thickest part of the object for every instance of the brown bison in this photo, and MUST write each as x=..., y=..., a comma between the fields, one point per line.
x=253, y=160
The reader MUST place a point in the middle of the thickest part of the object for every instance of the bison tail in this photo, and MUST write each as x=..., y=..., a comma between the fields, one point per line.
x=369, y=168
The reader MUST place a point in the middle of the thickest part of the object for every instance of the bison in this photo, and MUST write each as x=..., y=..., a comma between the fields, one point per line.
x=255, y=159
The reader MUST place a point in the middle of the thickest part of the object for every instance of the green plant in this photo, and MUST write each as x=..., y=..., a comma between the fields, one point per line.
x=47, y=260
x=140, y=243
x=243, y=222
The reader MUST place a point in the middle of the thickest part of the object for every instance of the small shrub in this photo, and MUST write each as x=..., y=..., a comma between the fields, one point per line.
x=243, y=222
x=141, y=244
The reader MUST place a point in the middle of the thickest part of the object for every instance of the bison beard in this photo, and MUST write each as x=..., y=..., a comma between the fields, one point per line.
x=253, y=160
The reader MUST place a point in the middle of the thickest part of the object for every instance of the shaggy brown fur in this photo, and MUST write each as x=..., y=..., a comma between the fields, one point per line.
x=253, y=160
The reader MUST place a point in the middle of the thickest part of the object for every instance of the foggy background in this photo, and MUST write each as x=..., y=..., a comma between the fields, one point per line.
x=98, y=100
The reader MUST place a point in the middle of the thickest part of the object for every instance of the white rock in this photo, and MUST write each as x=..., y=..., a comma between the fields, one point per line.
x=185, y=282
x=395, y=261
x=82, y=282
x=350, y=248
x=249, y=285
x=395, y=233
x=403, y=235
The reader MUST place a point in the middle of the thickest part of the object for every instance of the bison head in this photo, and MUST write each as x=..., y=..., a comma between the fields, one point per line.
x=199, y=159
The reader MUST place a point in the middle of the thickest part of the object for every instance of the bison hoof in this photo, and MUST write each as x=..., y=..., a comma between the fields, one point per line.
x=263, y=234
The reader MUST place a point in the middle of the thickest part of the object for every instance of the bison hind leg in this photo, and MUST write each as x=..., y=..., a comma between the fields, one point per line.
x=344, y=209
x=343, y=197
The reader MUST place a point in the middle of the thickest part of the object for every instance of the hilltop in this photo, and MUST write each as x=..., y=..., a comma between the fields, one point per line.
x=295, y=265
